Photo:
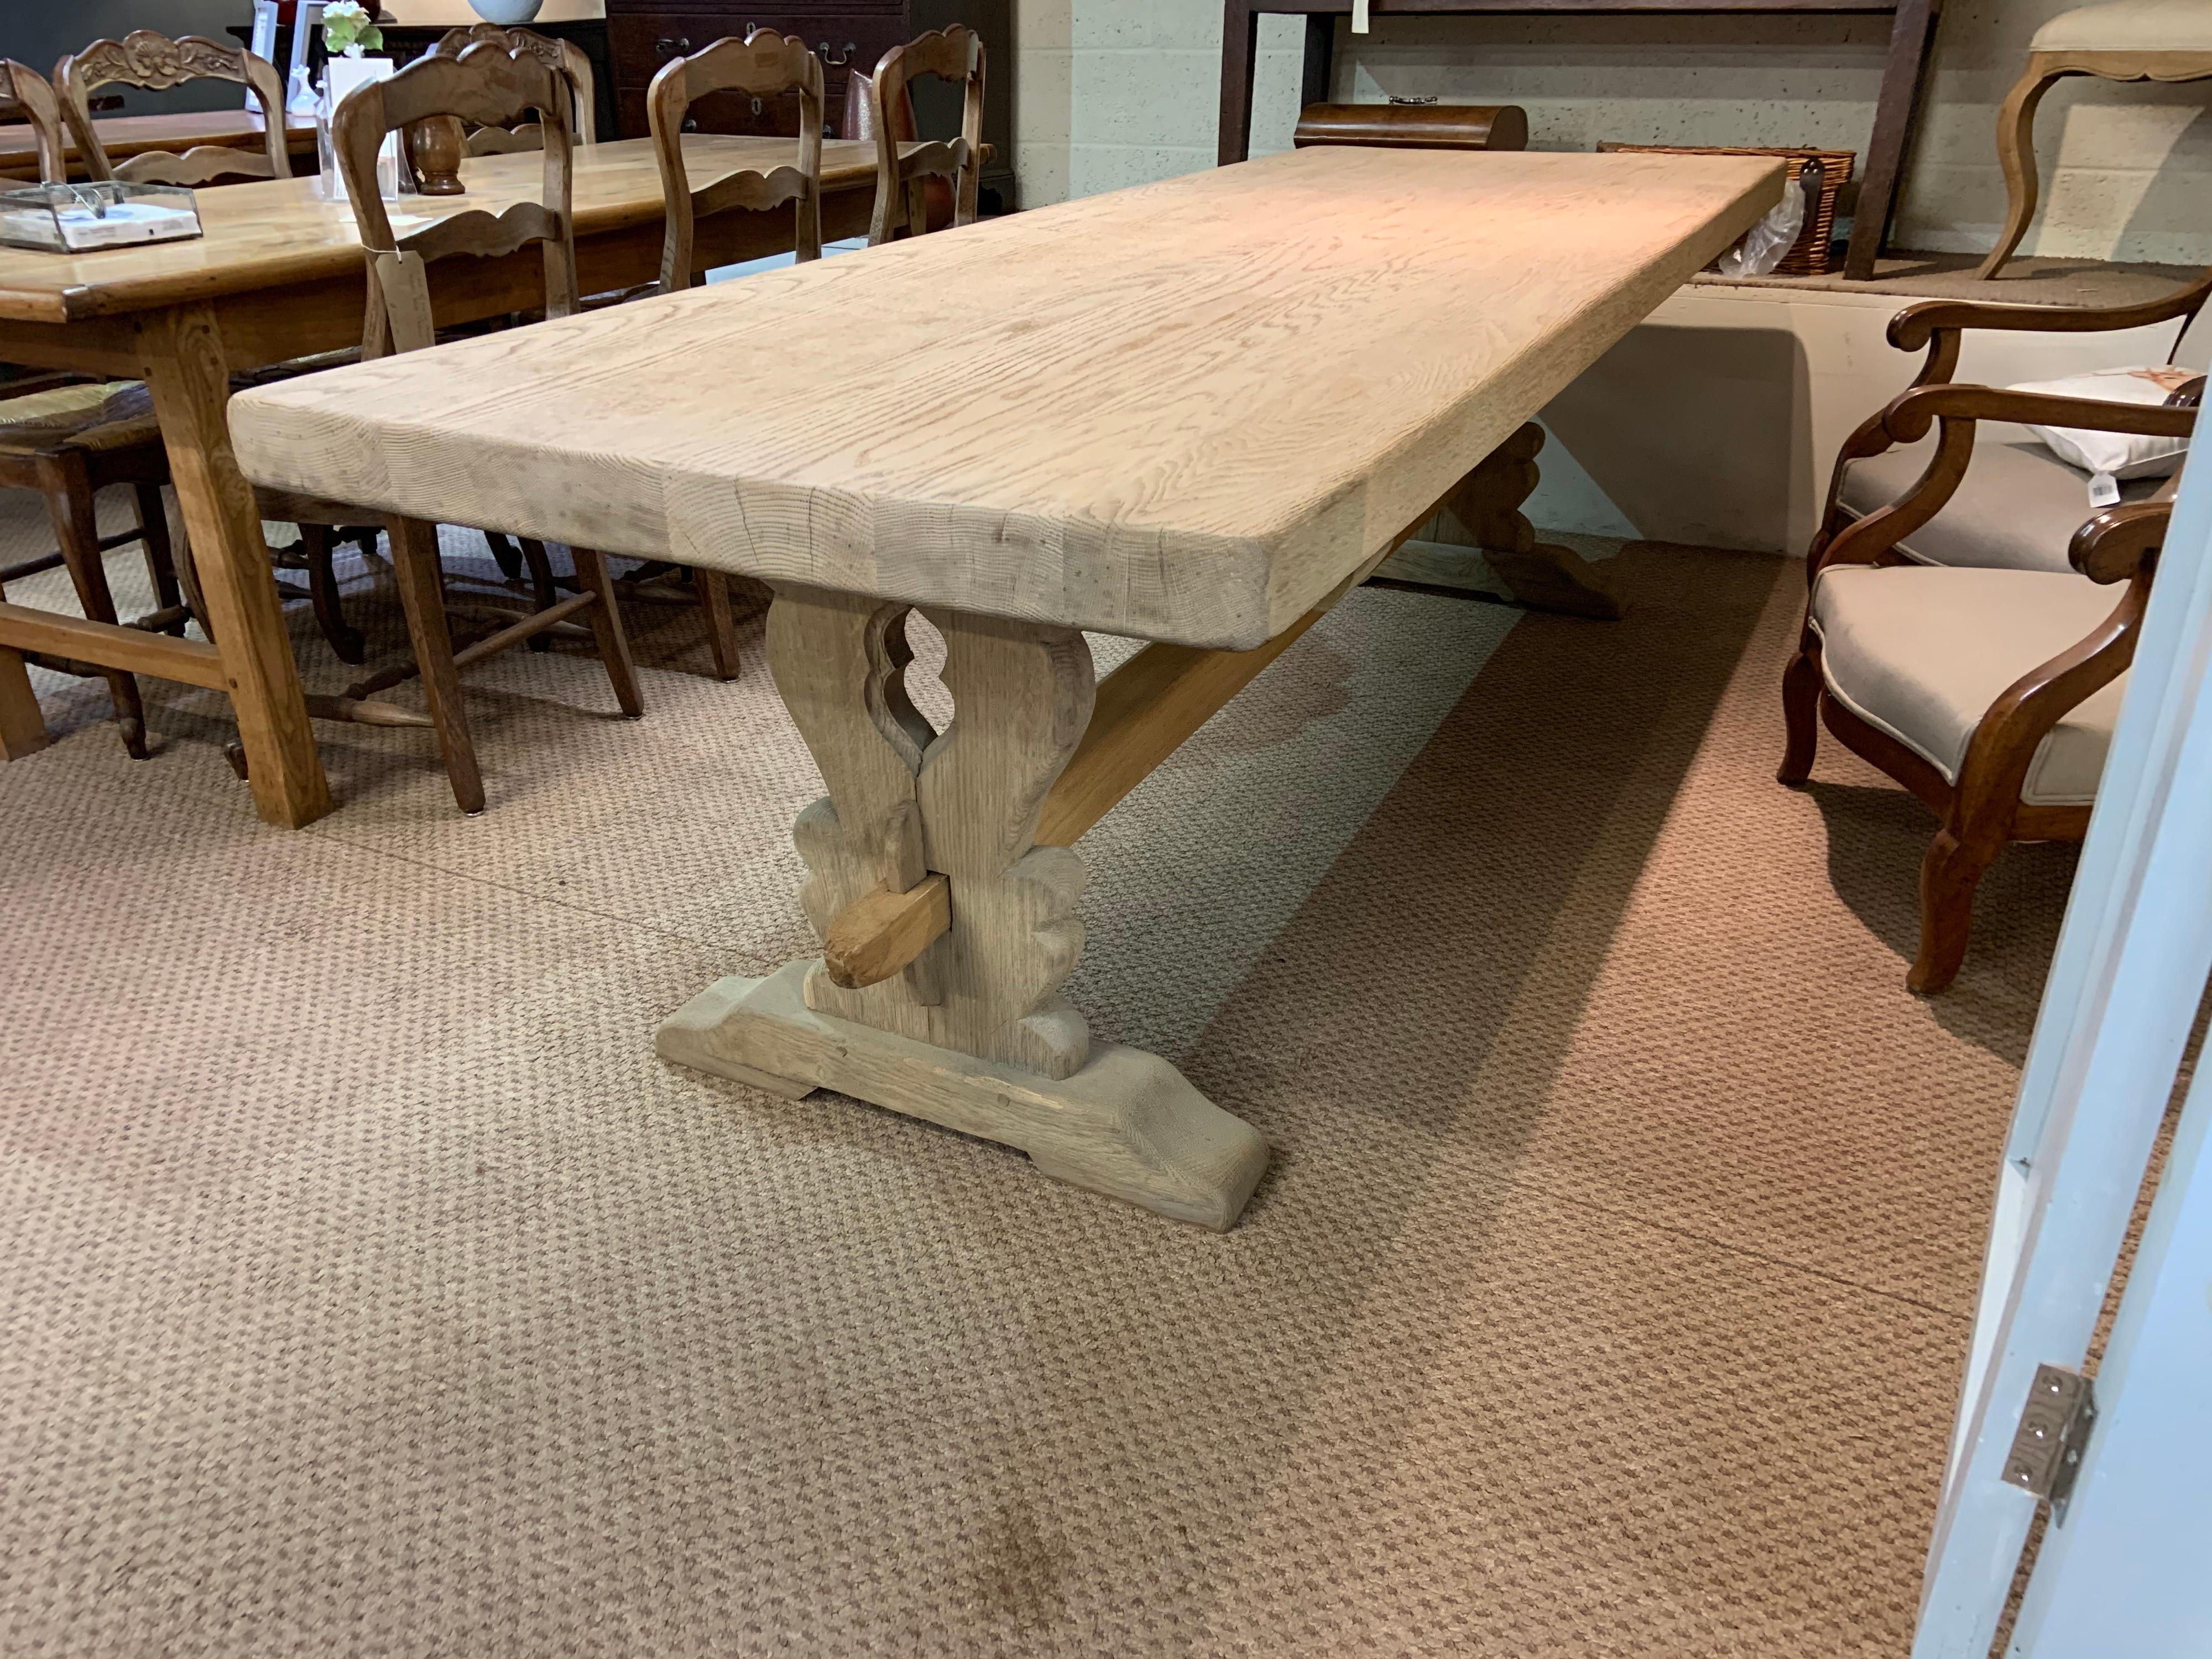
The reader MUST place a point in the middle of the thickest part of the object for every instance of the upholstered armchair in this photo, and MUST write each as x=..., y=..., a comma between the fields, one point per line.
x=1989, y=687
x=2017, y=505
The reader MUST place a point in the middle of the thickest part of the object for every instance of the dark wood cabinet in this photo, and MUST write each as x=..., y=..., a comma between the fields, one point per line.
x=847, y=34
x=405, y=42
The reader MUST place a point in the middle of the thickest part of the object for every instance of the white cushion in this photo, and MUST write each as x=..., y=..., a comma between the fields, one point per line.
x=2130, y=26
x=2120, y=455
x=2017, y=508
x=1921, y=653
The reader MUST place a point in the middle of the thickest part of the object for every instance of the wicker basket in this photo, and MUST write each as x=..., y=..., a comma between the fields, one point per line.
x=1810, y=257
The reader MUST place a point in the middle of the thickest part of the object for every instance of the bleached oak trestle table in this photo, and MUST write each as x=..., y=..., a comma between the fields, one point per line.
x=1195, y=413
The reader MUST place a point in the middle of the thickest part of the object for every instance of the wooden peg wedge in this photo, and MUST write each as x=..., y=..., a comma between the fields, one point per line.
x=879, y=936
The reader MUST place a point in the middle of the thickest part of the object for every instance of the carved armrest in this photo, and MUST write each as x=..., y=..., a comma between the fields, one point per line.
x=1913, y=411
x=2121, y=542
x=1939, y=326
x=1958, y=410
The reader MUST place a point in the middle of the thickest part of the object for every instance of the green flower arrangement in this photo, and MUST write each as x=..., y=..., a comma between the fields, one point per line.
x=349, y=29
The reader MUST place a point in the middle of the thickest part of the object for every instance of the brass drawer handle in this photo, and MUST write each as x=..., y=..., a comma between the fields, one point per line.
x=666, y=47
x=831, y=60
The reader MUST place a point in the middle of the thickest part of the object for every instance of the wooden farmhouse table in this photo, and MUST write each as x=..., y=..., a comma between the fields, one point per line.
x=125, y=136
x=1195, y=412
x=278, y=276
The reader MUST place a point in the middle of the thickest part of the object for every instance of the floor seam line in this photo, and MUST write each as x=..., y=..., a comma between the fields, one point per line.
x=1677, y=1230
x=318, y=830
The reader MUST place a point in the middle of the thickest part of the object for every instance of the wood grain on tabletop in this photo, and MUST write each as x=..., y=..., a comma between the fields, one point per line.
x=281, y=231
x=1183, y=411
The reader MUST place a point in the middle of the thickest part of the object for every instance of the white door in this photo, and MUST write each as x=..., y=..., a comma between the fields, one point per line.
x=2124, y=1571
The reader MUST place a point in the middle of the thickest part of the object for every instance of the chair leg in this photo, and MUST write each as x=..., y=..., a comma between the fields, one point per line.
x=68, y=488
x=154, y=533
x=2016, y=155
x=22, y=727
x=188, y=579
x=544, y=592
x=1801, y=716
x=606, y=624
x=504, y=552
x=422, y=595
x=721, y=622
x=1949, y=875
x=322, y=593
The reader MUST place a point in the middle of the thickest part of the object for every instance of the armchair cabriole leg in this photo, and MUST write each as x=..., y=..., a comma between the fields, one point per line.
x=1801, y=713
x=1949, y=873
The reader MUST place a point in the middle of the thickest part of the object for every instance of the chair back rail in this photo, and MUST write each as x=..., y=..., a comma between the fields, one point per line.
x=155, y=62
x=764, y=64
x=955, y=53
x=492, y=86
x=435, y=148
x=563, y=55
x=27, y=96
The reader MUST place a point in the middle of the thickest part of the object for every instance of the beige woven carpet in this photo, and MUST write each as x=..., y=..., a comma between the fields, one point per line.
x=368, y=1286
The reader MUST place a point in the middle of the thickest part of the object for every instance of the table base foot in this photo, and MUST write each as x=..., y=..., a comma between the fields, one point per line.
x=1127, y=1124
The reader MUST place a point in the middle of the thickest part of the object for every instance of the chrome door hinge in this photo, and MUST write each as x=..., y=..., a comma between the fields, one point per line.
x=2054, y=1427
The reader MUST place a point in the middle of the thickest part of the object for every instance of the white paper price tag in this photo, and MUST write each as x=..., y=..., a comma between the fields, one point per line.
x=1359, y=17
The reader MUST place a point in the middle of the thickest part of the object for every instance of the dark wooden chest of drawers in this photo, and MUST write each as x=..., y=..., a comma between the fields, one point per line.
x=848, y=34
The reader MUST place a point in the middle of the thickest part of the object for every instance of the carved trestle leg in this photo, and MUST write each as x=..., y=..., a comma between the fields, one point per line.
x=1483, y=542
x=972, y=1033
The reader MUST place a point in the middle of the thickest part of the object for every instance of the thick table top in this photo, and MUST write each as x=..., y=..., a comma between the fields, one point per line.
x=280, y=231
x=125, y=136
x=1184, y=411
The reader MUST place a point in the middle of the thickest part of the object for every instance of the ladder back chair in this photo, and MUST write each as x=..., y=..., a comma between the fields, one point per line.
x=490, y=86
x=859, y=127
x=27, y=96
x=68, y=439
x=436, y=147
x=765, y=64
x=155, y=62
x=902, y=198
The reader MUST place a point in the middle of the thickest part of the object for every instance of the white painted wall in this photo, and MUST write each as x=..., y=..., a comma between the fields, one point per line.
x=1112, y=93
x=1118, y=92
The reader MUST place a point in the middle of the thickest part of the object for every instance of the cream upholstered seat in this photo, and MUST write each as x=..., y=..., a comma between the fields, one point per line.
x=2130, y=26
x=2014, y=510
x=1924, y=654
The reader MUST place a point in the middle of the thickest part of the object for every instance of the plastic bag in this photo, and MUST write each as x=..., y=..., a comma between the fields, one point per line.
x=1768, y=243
